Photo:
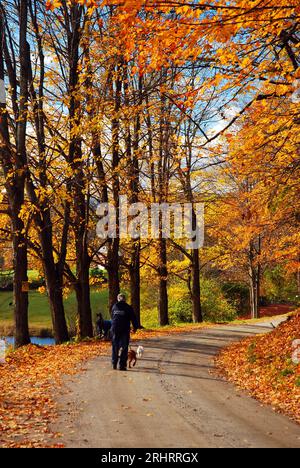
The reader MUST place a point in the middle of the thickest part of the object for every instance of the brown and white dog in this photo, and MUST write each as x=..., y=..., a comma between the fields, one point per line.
x=134, y=355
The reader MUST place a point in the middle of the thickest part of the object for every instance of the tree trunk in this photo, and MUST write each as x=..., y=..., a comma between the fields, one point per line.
x=113, y=262
x=20, y=244
x=55, y=295
x=135, y=281
x=254, y=286
x=163, y=183
x=163, y=306
x=134, y=185
x=253, y=307
x=20, y=264
x=196, y=290
x=54, y=283
x=113, y=271
x=53, y=271
x=298, y=279
x=84, y=310
x=83, y=260
x=79, y=183
x=83, y=290
x=258, y=278
x=14, y=163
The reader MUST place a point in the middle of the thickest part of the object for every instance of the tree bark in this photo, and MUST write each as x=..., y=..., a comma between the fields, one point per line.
x=196, y=290
x=163, y=181
x=81, y=202
x=298, y=278
x=20, y=263
x=195, y=263
x=254, y=286
x=54, y=279
x=20, y=243
x=15, y=163
x=83, y=262
x=113, y=271
x=54, y=285
x=163, y=309
x=253, y=299
x=132, y=148
x=113, y=261
x=53, y=271
x=135, y=281
x=83, y=297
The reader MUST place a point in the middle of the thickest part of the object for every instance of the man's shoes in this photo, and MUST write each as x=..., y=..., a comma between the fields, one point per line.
x=123, y=369
x=114, y=366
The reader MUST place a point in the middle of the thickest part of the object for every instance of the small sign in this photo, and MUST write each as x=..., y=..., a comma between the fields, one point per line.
x=25, y=286
x=2, y=92
x=2, y=351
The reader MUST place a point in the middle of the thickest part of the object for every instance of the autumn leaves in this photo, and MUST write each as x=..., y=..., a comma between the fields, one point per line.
x=164, y=102
x=265, y=367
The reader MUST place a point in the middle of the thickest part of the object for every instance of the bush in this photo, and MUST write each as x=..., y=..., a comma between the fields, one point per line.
x=6, y=281
x=279, y=286
x=97, y=275
x=36, y=283
x=180, y=308
x=215, y=306
x=238, y=295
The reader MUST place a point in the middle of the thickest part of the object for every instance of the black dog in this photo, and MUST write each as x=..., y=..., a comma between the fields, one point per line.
x=103, y=327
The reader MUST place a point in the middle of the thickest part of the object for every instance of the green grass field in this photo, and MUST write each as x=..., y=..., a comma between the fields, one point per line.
x=39, y=312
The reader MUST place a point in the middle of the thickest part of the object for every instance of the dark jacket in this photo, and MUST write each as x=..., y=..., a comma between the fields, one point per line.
x=122, y=316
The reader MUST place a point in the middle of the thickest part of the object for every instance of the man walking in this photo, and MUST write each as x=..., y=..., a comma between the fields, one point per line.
x=122, y=316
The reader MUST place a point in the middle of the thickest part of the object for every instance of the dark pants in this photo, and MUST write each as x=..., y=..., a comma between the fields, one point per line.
x=118, y=342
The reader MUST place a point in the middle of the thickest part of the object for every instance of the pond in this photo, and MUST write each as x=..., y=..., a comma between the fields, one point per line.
x=34, y=340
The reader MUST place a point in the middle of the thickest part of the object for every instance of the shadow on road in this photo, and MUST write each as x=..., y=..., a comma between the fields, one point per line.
x=192, y=346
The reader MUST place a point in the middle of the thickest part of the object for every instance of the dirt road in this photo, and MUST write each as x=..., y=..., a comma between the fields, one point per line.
x=171, y=399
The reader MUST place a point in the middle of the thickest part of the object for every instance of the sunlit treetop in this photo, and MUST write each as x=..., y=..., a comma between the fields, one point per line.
x=246, y=39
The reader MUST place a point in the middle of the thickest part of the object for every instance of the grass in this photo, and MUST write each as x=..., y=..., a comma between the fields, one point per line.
x=39, y=311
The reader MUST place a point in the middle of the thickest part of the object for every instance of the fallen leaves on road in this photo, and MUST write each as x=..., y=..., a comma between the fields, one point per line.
x=28, y=379
x=268, y=367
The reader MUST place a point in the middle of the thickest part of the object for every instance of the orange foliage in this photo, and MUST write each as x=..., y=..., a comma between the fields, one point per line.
x=264, y=366
x=27, y=381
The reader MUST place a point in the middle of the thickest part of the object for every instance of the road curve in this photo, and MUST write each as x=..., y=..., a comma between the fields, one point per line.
x=170, y=400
